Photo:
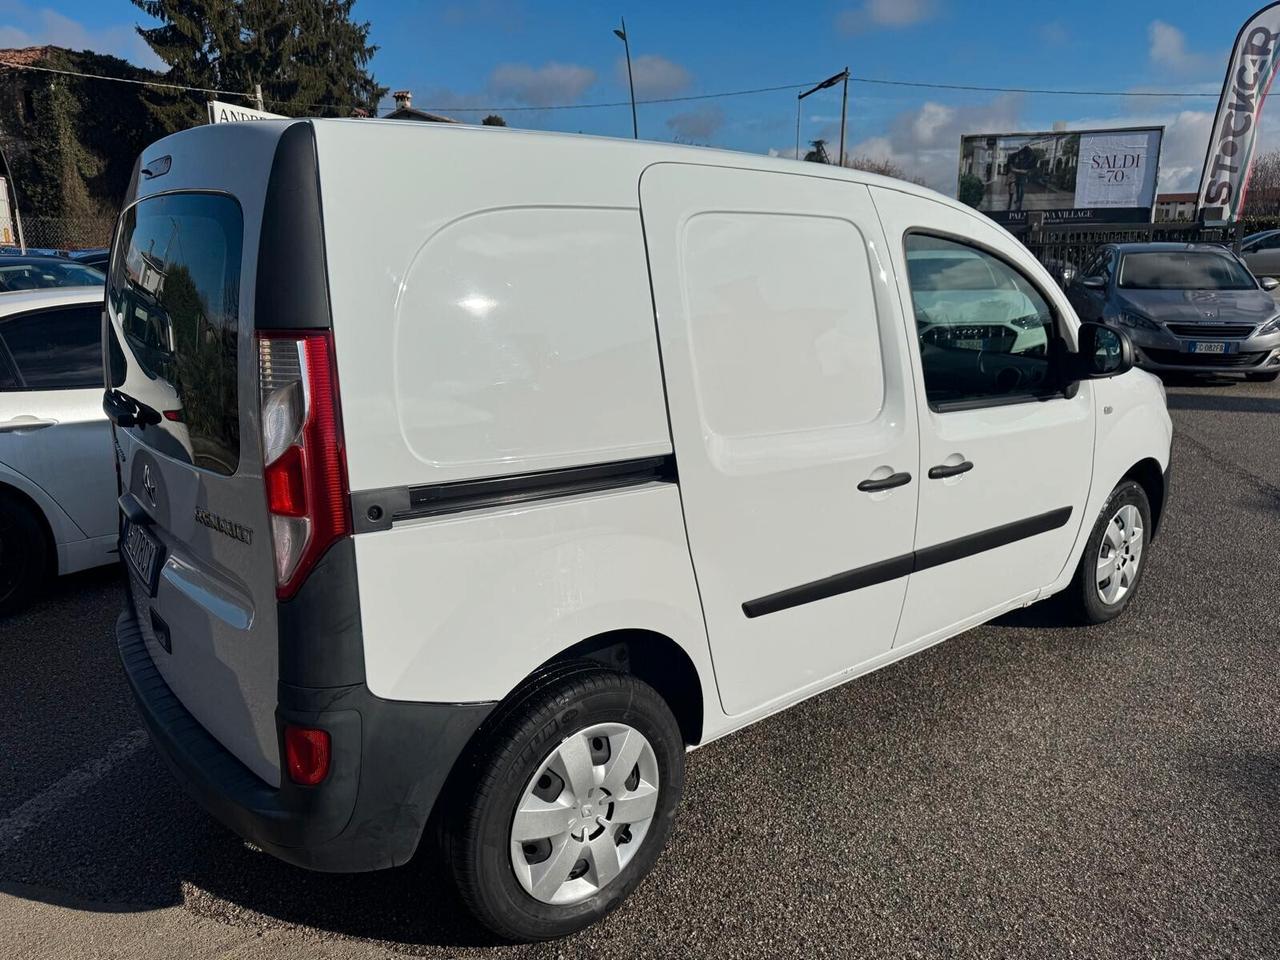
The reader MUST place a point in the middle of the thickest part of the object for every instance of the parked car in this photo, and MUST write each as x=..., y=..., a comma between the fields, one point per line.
x=95, y=257
x=1261, y=253
x=464, y=507
x=1189, y=308
x=36, y=273
x=58, y=509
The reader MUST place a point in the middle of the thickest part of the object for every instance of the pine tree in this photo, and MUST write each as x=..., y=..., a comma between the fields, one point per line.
x=309, y=56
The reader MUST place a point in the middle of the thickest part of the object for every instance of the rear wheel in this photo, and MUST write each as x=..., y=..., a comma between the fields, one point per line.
x=572, y=797
x=1114, y=557
x=24, y=555
x=1262, y=377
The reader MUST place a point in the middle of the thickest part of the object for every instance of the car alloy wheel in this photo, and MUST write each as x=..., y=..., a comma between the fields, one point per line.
x=1120, y=555
x=584, y=814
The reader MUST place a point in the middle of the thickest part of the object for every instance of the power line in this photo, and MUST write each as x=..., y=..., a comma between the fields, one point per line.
x=525, y=108
x=140, y=83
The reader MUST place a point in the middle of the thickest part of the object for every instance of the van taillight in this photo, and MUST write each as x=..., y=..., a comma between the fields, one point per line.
x=304, y=466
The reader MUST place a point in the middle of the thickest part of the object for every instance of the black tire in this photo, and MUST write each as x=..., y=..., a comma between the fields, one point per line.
x=24, y=555
x=1083, y=595
x=1262, y=377
x=477, y=828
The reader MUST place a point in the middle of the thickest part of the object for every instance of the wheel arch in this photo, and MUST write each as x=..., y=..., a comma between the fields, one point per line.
x=25, y=501
x=1148, y=475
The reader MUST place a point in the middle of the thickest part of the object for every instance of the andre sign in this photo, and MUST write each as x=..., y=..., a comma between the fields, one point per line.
x=220, y=112
x=1252, y=67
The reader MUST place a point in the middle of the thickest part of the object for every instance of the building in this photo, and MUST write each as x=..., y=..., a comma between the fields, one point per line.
x=1176, y=206
x=406, y=111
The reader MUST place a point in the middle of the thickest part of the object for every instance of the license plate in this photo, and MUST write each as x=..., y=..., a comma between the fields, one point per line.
x=142, y=551
x=970, y=344
x=1205, y=346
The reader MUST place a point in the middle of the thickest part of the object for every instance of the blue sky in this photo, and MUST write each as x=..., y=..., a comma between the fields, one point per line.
x=521, y=53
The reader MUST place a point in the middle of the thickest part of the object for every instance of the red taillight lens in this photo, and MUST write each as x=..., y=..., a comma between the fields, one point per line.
x=287, y=484
x=304, y=466
x=306, y=754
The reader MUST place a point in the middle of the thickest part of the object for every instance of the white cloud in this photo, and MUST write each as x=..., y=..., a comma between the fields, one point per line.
x=30, y=27
x=1168, y=50
x=925, y=141
x=885, y=13
x=654, y=76
x=541, y=86
x=699, y=125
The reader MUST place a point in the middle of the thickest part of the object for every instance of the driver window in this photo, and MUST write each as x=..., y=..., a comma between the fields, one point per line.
x=985, y=332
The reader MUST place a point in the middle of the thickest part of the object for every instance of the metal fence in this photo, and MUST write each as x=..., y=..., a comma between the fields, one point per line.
x=1064, y=248
x=67, y=233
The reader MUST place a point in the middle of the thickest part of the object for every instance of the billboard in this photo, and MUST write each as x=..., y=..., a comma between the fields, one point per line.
x=1089, y=176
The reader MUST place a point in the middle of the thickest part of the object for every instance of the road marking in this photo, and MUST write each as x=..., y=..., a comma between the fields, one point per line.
x=75, y=783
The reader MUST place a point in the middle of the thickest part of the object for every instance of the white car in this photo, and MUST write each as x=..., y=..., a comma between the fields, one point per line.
x=502, y=481
x=58, y=510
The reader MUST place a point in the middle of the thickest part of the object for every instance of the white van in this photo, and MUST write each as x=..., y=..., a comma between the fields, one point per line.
x=470, y=477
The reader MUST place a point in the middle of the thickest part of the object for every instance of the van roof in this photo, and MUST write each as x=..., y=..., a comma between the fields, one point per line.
x=657, y=151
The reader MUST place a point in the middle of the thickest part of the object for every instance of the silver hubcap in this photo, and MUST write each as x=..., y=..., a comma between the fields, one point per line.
x=584, y=813
x=1120, y=555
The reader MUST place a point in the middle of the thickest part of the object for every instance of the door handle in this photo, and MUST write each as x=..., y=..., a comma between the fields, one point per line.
x=885, y=483
x=18, y=424
x=942, y=471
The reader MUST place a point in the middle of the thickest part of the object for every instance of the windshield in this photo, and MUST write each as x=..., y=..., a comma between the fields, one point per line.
x=37, y=274
x=1183, y=270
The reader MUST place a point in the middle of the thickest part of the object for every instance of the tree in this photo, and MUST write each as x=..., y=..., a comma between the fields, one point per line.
x=884, y=167
x=309, y=56
x=493, y=120
x=1263, y=198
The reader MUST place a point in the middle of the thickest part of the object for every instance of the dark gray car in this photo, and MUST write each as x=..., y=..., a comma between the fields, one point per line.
x=1189, y=308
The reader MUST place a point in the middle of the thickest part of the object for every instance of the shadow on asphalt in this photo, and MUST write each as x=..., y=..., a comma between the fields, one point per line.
x=1223, y=404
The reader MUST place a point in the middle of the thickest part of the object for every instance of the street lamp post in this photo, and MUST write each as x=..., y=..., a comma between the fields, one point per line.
x=843, y=75
x=626, y=45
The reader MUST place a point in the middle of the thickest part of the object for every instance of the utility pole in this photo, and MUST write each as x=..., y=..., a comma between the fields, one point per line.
x=829, y=82
x=622, y=35
x=257, y=101
x=844, y=108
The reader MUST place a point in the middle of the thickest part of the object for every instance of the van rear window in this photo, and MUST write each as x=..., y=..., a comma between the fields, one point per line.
x=174, y=303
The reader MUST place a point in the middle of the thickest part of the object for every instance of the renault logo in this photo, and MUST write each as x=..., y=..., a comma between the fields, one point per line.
x=148, y=484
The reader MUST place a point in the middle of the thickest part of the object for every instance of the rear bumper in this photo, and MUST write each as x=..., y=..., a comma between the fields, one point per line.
x=390, y=761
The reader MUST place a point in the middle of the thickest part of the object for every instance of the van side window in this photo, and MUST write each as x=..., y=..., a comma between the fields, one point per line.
x=986, y=334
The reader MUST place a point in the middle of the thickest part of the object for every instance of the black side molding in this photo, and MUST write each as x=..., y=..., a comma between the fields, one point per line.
x=293, y=282
x=377, y=509
x=885, y=570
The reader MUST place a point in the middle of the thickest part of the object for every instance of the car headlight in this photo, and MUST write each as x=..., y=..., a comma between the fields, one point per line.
x=1271, y=326
x=1138, y=320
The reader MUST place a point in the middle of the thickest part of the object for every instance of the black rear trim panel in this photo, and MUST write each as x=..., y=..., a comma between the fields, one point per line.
x=389, y=763
x=378, y=509
x=885, y=570
x=292, y=285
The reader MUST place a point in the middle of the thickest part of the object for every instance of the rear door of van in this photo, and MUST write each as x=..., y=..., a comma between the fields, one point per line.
x=793, y=418
x=182, y=366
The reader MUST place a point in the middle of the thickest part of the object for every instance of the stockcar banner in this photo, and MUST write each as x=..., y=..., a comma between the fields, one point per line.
x=1070, y=176
x=1250, y=70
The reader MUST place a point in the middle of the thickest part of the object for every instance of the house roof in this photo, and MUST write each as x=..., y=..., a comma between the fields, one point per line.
x=24, y=56
x=412, y=113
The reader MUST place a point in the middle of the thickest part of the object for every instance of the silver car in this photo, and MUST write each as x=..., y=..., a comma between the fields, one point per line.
x=1189, y=308
x=1261, y=253
x=57, y=482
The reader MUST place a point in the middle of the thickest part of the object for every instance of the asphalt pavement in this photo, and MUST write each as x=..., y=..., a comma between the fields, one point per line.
x=1028, y=789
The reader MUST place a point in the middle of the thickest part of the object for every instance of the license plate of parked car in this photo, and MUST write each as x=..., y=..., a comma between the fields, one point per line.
x=1203, y=346
x=143, y=553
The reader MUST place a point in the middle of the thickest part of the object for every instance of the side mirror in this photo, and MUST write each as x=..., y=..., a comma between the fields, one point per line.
x=1268, y=283
x=1103, y=352
x=1094, y=283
